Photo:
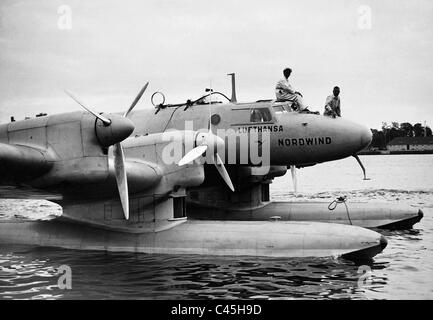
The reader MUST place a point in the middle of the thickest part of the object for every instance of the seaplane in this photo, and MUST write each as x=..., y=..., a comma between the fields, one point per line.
x=187, y=178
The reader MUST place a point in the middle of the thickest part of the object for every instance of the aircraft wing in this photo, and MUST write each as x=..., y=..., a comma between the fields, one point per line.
x=19, y=163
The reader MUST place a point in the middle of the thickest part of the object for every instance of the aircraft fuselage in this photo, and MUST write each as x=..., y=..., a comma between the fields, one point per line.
x=289, y=138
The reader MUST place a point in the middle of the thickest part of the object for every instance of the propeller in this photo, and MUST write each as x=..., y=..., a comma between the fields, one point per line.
x=193, y=154
x=222, y=171
x=106, y=121
x=121, y=129
x=203, y=142
x=122, y=182
x=136, y=99
x=294, y=178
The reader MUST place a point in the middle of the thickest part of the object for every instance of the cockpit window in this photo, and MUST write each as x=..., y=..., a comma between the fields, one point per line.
x=280, y=109
x=260, y=115
x=214, y=97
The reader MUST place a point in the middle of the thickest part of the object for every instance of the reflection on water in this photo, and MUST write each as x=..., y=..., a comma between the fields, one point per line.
x=403, y=270
x=98, y=275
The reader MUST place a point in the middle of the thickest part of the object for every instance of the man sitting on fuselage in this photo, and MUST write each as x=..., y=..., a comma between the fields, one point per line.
x=285, y=92
x=332, y=104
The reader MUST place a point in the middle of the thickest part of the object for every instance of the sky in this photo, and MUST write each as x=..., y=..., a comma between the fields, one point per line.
x=378, y=52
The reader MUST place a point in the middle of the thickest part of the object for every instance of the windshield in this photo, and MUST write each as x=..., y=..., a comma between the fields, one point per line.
x=214, y=97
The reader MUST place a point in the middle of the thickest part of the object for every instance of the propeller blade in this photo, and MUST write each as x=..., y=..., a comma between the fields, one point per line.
x=294, y=178
x=222, y=171
x=192, y=155
x=136, y=100
x=97, y=115
x=122, y=183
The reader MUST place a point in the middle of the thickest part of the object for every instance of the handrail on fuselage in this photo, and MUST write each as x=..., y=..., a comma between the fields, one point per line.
x=190, y=103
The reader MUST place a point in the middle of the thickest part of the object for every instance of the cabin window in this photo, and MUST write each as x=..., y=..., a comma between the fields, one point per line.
x=215, y=119
x=179, y=210
x=260, y=115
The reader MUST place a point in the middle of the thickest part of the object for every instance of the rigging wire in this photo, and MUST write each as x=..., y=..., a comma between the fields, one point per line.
x=334, y=204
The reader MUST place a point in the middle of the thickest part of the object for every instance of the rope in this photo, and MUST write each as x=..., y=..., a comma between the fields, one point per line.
x=334, y=204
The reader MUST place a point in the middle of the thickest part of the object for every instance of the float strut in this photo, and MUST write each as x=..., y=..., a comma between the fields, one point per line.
x=362, y=166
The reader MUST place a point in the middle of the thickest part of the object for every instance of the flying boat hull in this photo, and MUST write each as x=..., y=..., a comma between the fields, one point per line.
x=226, y=238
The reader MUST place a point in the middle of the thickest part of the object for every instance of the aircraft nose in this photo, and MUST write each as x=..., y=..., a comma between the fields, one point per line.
x=366, y=137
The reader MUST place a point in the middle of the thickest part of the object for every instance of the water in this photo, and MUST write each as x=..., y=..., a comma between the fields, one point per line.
x=402, y=271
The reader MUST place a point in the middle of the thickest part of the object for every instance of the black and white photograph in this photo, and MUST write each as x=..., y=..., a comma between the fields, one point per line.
x=233, y=151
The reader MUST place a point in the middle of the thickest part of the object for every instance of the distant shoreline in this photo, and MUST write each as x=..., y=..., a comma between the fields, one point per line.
x=387, y=152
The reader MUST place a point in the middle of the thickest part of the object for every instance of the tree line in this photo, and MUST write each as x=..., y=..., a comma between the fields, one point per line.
x=390, y=131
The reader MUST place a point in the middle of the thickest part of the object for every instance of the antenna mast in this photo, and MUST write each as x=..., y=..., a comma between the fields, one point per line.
x=233, y=78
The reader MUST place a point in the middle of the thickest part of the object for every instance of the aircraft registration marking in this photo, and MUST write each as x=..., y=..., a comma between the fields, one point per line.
x=263, y=128
x=304, y=141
